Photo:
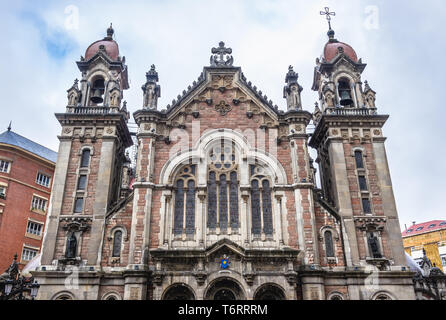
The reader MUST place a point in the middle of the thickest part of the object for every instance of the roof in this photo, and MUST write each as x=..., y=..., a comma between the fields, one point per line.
x=331, y=50
x=14, y=139
x=424, y=227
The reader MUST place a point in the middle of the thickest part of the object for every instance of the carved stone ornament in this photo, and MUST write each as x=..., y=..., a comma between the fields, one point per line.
x=223, y=108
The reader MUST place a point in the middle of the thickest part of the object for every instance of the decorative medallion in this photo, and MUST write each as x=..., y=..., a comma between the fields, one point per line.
x=377, y=132
x=224, y=263
x=223, y=108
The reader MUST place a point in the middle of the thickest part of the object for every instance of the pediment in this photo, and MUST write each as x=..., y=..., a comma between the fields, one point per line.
x=225, y=247
x=215, y=82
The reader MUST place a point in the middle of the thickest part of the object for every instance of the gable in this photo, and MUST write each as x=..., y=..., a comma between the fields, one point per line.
x=222, y=80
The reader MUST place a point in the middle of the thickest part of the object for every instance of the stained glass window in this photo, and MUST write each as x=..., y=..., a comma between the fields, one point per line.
x=366, y=205
x=117, y=240
x=179, y=208
x=359, y=160
x=255, y=208
x=190, y=207
x=223, y=203
x=234, y=200
x=329, y=250
x=85, y=161
x=267, y=210
x=212, y=201
x=362, y=183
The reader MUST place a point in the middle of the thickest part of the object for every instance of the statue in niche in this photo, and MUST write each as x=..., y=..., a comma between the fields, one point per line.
x=71, y=249
x=374, y=246
x=114, y=99
x=73, y=94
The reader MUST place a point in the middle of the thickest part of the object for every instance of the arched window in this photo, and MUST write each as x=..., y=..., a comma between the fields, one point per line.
x=184, y=212
x=359, y=159
x=261, y=206
x=223, y=185
x=329, y=248
x=85, y=159
x=117, y=241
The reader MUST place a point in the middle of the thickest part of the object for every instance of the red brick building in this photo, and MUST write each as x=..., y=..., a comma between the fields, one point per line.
x=225, y=203
x=26, y=171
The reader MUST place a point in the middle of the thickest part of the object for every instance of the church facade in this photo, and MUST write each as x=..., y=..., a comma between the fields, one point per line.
x=222, y=202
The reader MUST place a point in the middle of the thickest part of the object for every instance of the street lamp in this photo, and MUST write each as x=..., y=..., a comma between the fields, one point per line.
x=8, y=286
x=34, y=289
x=13, y=285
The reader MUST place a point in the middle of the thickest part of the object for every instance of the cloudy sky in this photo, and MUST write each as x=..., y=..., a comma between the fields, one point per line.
x=402, y=42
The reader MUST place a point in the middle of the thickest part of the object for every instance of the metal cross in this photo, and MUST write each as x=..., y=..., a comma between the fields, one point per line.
x=221, y=50
x=327, y=13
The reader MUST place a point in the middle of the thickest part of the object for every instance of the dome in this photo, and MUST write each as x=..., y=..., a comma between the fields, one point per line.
x=331, y=50
x=110, y=46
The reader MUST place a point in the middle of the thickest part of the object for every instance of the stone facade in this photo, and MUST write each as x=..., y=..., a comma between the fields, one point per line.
x=224, y=203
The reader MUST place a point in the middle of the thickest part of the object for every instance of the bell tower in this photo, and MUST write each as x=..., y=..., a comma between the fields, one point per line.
x=89, y=178
x=354, y=171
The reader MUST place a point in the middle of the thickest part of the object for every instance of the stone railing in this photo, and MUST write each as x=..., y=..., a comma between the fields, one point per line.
x=351, y=111
x=91, y=110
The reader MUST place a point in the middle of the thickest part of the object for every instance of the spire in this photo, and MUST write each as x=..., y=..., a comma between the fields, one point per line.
x=9, y=127
x=328, y=15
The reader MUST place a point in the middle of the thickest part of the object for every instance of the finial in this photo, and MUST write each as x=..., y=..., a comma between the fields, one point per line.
x=152, y=74
x=328, y=15
x=9, y=127
x=217, y=59
x=110, y=32
x=291, y=76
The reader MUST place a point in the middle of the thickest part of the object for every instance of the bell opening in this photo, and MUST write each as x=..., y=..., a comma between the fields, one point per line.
x=98, y=90
x=345, y=96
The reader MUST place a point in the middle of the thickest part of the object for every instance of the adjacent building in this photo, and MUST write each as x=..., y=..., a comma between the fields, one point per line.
x=428, y=236
x=26, y=175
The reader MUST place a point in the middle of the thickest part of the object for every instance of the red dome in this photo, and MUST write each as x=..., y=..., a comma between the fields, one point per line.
x=331, y=50
x=111, y=48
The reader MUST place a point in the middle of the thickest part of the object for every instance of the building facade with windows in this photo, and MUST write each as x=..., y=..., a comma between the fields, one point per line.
x=26, y=172
x=429, y=236
x=225, y=203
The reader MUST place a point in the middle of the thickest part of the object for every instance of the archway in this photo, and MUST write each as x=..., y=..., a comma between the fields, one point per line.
x=178, y=292
x=269, y=291
x=224, y=289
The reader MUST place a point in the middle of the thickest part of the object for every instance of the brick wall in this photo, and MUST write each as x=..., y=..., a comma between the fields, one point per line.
x=22, y=185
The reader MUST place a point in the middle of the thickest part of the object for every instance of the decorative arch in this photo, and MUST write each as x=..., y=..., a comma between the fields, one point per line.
x=335, y=295
x=205, y=143
x=382, y=295
x=112, y=295
x=178, y=291
x=270, y=291
x=224, y=288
